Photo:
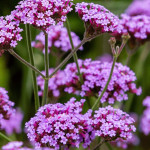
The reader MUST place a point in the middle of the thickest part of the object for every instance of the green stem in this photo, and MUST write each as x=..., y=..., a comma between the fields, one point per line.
x=24, y=62
x=109, y=146
x=99, y=145
x=75, y=57
x=105, y=88
x=45, y=93
x=2, y=136
x=31, y=57
x=68, y=57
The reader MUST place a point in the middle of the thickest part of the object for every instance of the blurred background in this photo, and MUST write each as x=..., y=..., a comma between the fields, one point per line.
x=16, y=78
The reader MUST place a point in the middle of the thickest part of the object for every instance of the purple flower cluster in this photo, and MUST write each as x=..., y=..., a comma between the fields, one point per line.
x=97, y=18
x=9, y=33
x=56, y=84
x=13, y=124
x=6, y=106
x=111, y=124
x=58, y=37
x=61, y=125
x=95, y=75
x=139, y=7
x=65, y=126
x=145, y=119
x=42, y=13
x=136, y=26
x=134, y=141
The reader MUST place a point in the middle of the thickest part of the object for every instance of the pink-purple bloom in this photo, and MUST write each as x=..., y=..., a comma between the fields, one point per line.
x=61, y=125
x=97, y=18
x=138, y=7
x=57, y=37
x=111, y=124
x=95, y=75
x=134, y=141
x=13, y=124
x=42, y=13
x=9, y=33
x=6, y=106
x=137, y=27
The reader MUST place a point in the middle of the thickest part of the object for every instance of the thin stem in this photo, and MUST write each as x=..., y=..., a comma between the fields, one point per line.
x=2, y=136
x=105, y=88
x=68, y=57
x=24, y=62
x=100, y=144
x=109, y=146
x=75, y=57
x=45, y=93
x=30, y=51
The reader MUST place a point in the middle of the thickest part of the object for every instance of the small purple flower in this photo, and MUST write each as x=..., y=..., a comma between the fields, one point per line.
x=60, y=125
x=42, y=13
x=58, y=37
x=111, y=124
x=6, y=106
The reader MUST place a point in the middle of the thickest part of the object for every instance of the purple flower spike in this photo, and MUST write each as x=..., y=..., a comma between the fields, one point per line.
x=97, y=18
x=6, y=105
x=58, y=37
x=111, y=124
x=9, y=33
x=61, y=125
x=42, y=13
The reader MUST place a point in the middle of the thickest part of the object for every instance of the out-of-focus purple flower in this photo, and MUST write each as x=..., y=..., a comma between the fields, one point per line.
x=105, y=58
x=134, y=141
x=146, y=102
x=111, y=124
x=95, y=75
x=15, y=145
x=9, y=33
x=42, y=13
x=61, y=125
x=6, y=106
x=145, y=118
x=97, y=18
x=58, y=37
x=139, y=7
x=137, y=27
x=13, y=124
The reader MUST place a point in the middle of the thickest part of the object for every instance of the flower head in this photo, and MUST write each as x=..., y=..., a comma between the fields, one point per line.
x=42, y=13
x=137, y=27
x=6, y=106
x=111, y=124
x=138, y=7
x=97, y=18
x=9, y=33
x=58, y=37
x=60, y=125
x=95, y=75
x=146, y=102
